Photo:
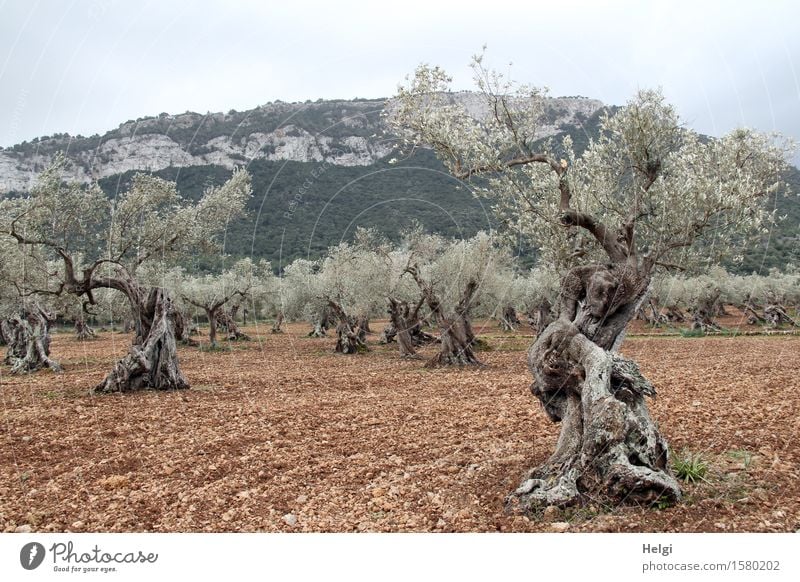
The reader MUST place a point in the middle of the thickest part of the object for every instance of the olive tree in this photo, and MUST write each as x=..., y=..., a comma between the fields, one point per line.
x=212, y=292
x=537, y=293
x=301, y=295
x=355, y=280
x=458, y=279
x=648, y=193
x=25, y=319
x=103, y=244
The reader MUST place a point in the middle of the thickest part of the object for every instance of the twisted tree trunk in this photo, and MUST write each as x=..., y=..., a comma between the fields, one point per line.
x=349, y=336
x=363, y=324
x=83, y=331
x=455, y=331
x=184, y=327
x=509, y=320
x=388, y=334
x=321, y=324
x=28, y=339
x=704, y=312
x=276, y=326
x=750, y=310
x=541, y=317
x=401, y=318
x=227, y=320
x=211, y=315
x=674, y=314
x=152, y=362
x=651, y=312
x=776, y=315
x=609, y=447
x=703, y=320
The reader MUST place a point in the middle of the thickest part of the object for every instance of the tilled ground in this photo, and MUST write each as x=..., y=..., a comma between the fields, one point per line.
x=281, y=434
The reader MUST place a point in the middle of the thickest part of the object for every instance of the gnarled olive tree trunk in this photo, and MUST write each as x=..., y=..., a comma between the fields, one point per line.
x=83, y=331
x=184, y=327
x=750, y=310
x=455, y=330
x=704, y=312
x=609, y=447
x=403, y=320
x=508, y=319
x=227, y=321
x=350, y=337
x=541, y=316
x=28, y=337
x=152, y=362
x=276, y=326
x=321, y=323
x=776, y=315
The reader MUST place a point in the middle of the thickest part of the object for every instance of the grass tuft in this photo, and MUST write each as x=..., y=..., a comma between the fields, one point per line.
x=690, y=467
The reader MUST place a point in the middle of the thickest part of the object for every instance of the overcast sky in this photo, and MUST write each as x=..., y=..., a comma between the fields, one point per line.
x=85, y=66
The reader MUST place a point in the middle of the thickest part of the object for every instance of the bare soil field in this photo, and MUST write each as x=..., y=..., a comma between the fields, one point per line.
x=281, y=434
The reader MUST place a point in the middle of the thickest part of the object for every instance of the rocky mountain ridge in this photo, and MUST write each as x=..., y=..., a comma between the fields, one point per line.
x=341, y=133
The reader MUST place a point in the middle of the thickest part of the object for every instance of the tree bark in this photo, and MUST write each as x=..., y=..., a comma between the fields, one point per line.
x=83, y=331
x=750, y=310
x=211, y=314
x=350, y=338
x=541, y=317
x=651, y=313
x=320, y=328
x=363, y=324
x=388, y=334
x=276, y=326
x=609, y=447
x=401, y=316
x=702, y=320
x=776, y=315
x=704, y=312
x=184, y=327
x=226, y=320
x=675, y=315
x=28, y=339
x=509, y=320
x=455, y=331
x=152, y=362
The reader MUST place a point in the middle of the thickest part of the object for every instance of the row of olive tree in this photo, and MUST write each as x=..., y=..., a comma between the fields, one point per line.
x=763, y=299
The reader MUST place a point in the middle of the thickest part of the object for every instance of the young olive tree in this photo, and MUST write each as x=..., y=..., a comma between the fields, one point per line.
x=102, y=244
x=647, y=194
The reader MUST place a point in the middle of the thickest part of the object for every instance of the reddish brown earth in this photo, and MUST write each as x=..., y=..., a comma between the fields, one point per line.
x=281, y=428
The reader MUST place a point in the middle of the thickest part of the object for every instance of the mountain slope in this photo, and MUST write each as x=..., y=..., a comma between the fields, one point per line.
x=319, y=171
